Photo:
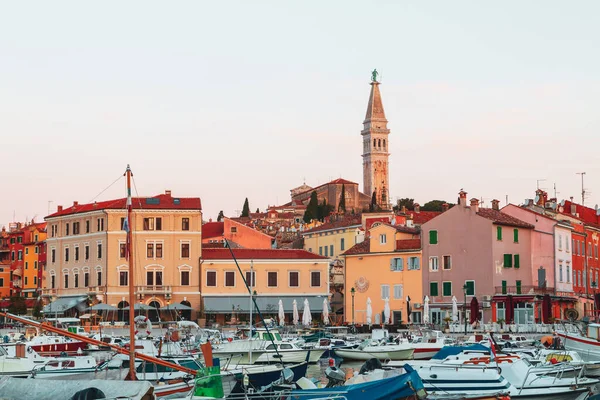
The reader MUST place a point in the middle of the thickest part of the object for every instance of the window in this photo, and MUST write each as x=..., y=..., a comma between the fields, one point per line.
x=315, y=279
x=36, y=250
x=470, y=288
x=568, y=274
x=185, y=278
x=518, y=287
x=251, y=278
x=158, y=250
x=433, y=264
x=34, y=280
x=99, y=251
x=498, y=233
x=516, y=235
x=433, y=237
x=154, y=278
x=596, y=251
x=413, y=263
x=75, y=228
x=447, y=262
x=12, y=240
x=66, y=281
x=20, y=255
x=211, y=278
x=559, y=242
x=87, y=226
x=26, y=264
x=229, y=278
x=447, y=288
x=385, y=292
x=67, y=229
x=26, y=250
x=66, y=254
x=123, y=224
x=100, y=224
x=53, y=281
x=382, y=239
x=99, y=278
x=148, y=224
x=326, y=251
x=396, y=264
x=294, y=279
x=272, y=279
x=87, y=252
x=185, y=250
x=123, y=278
x=398, y=292
x=35, y=265
x=76, y=248
x=433, y=289
x=508, y=261
x=12, y=255
x=517, y=261
x=158, y=223
x=574, y=247
x=20, y=239
x=185, y=224
x=150, y=250
x=86, y=279
x=342, y=245
x=567, y=243
x=76, y=280
x=122, y=250
x=25, y=284
x=331, y=250
x=589, y=253
x=320, y=250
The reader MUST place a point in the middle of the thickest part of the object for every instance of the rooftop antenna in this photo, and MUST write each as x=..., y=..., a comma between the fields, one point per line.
x=538, y=183
x=506, y=199
x=582, y=188
x=555, y=192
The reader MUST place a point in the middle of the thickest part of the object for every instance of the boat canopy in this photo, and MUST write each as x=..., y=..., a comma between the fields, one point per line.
x=228, y=304
x=447, y=351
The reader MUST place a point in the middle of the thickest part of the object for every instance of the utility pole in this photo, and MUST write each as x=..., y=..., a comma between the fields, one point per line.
x=582, y=188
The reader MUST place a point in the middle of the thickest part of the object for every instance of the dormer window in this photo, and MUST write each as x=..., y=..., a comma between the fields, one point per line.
x=382, y=238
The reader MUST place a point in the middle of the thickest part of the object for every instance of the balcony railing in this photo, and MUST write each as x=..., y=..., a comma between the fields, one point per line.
x=154, y=289
x=524, y=290
x=96, y=289
x=49, y=292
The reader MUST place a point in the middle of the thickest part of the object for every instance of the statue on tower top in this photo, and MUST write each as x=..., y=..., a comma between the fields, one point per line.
x=374, y=75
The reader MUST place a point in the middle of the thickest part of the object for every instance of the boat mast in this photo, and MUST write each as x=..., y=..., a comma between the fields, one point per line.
x=128, y=221
x=251, y=300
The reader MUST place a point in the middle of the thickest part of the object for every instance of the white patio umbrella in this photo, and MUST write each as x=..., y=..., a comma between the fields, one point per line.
x=426, y=310
x=369, y=311
x=296, y=315
x=386, y=311
x=325, y=312
x=454, y=309
x=281, y=313
x=306, y=316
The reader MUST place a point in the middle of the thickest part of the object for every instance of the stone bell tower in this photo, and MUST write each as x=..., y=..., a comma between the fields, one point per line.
x=375, y=148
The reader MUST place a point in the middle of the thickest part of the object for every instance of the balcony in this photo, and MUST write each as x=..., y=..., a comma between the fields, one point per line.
x=16, y=283
x=96, y=289
x=530, y=290
x=49, y=292
x=154, y=289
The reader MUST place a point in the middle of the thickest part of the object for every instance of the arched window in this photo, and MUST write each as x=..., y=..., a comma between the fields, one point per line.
x=374, y=143
x=123, y=315
x=186, y=314
x=379, y=143
x=153, y=313
x=384, y=144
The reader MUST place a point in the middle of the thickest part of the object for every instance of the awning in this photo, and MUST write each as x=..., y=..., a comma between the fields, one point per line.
x=63, y=304
x=267, y=304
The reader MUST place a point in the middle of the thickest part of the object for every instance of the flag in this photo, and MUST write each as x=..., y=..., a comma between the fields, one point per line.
x=493, y=347
x=126, y=229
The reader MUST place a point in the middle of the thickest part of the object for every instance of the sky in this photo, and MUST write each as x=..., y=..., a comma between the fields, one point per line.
x=233, y=99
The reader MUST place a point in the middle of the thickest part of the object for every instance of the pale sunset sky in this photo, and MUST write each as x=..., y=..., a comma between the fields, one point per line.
x=232, y=99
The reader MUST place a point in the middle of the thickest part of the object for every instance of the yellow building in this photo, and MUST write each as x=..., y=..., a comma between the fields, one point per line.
x=387, y=264
x=33, y=259
x=279, y=274
x=334, y=237
x=87, y=253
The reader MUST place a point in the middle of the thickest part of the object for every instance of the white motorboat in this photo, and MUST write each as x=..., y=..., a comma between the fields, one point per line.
x=287, y=352
x=426, y=345
x=585, y=341
x=372, y=349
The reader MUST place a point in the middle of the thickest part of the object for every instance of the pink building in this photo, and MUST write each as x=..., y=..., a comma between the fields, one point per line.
x=237, y=234
x=471, y=251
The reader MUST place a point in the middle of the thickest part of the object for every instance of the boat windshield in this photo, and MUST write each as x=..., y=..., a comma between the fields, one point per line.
x=271, y=336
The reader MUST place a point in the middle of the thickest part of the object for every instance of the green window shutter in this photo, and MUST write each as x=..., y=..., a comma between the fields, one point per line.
x=518, y=287
x=508, y=261
x=503, y=287
x=499, y=233
x=433, y=289
x=516, y=235
x=470, y=288
x=517, y=261
x=433, y=239
x=447, y=288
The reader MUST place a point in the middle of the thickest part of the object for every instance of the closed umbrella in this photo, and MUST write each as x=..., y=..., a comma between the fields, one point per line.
x=325, y=312
x=474, y=310
x=296, y=315
x=386, y=311
x=408, y=310
x=509, y=313
x=426, y=310
x=546, y=309
x=281, y=313
x=306, y=316
x=369, y=311
x=454, y=309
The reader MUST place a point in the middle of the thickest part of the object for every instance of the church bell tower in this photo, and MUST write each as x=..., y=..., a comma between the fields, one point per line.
x=375, y=148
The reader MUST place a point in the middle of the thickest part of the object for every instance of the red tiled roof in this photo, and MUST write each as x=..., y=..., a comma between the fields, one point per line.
x=419, y=218
x=338, y=181
x=212, y=229
x=407, y=229
x=160, y=202
x=359, y=248
x=336, y=224
x=408, y=244
x=260, y=254
x=500, y=218
x=370, y=221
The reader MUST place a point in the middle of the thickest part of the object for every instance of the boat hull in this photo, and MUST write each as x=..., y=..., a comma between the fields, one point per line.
x=293, y=356
x=588, y=349
x=56, y=349
x=361, y=355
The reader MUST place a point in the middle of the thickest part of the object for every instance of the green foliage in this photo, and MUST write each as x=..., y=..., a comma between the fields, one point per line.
x=257, y=210
x=324, y=210
x=374, y=207
x=405, y=202
x=246, y=209
x=342, y=205
x=37, y=309
x=220, y=216
x=434, y=205
x=312, y=209
x=17, y=305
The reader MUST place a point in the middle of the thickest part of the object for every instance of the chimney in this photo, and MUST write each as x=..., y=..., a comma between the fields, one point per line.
x=462, y=198
x=75, y=203
x=475, y=204
x=403, y=209
x=496, y=205
x=417, y=208
x=168, y=192
x=445, y=207
x=59, y=208
x=573, y=207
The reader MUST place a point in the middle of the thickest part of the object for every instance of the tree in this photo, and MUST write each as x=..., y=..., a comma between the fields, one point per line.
x=324, y=210
x=342, y=205
x=246, y=209
x=220, y=216
x=405, y=202
x=373, y=206
x=17, y=305
x=312, y=209
x=257, y=210
x=434, y=205
x=37, y=309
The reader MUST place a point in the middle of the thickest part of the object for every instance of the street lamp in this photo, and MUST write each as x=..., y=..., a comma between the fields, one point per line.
x=594, y=286
x=465, y=307
x=352, y=292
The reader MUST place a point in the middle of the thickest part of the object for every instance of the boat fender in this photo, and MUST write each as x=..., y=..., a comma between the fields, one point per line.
x=29, y=350
x=140, y=319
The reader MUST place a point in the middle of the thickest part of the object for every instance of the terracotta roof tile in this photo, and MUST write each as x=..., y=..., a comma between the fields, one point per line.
x=339, y=181
x=259, y=254
x=213, y=229
x=500, y=218
x=336, y=224
x=359, y=248
x=408, y=244
x=419, y=218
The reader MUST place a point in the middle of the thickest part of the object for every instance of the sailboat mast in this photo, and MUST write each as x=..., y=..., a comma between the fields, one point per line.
x=132, y=376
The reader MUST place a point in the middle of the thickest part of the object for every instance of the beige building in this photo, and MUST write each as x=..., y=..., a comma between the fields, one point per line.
x=87, y=254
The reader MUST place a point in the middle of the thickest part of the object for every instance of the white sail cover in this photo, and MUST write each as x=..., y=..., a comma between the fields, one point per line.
x=281, y=313
x=296, y=315
x=386, y=311
x=325, y=312
x=426, y=310
x=454, y=309
x=306, y=316
x=369, y=312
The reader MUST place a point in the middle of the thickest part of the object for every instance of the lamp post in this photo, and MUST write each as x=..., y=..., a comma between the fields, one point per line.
x=465, y=307
x=594, y=286
x=353, y=292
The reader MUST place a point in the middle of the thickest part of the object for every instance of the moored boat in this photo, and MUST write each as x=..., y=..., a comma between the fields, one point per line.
x=369, y=349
